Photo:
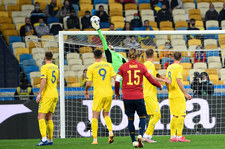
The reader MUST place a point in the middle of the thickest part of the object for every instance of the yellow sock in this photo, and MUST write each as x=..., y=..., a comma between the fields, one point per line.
x=50, y=128
x=151, y=125
x=94, y=127
x=42, y=127
x=108, y=123
x=173, y=128
x=180, y=125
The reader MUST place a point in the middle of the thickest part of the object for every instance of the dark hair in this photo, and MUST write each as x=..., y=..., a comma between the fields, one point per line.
x=146, y=21
x=177, y=55
x=149, y=53
x=37, y=3
x=100, y=6
x=98, y=54
x=48, y=55
x=87, y=11
x=192, y=19
x=132, y=53
x=111, y=24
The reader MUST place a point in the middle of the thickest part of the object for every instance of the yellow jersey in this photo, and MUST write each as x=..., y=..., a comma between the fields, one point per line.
x=100, y=73
x=149, y=89
x=51, y=73
x=175, y=71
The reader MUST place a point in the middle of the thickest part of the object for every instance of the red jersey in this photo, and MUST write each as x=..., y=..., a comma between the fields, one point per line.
x=132, y=73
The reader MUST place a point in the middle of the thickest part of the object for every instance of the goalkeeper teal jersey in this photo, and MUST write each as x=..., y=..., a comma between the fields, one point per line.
x=116, y=59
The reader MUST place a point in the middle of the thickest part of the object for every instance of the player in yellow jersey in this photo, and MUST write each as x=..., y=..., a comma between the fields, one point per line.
x=100, y=73
x=47, y=99
x=177, y=100
x=150, y=96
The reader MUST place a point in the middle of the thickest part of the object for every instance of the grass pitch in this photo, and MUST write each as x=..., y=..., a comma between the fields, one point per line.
x=197, y=142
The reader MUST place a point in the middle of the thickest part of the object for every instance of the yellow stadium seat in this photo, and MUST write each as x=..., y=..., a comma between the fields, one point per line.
x=186, y=83
x=13, y=8
x=117, y=19
x=186, y=65
x=217, y=82
x=208, y=1
x=118, y=25
x=153, y=24
x=187, y=1
x=211, y=71
x=71, y=79
x=158, y=66
x=130, y=6
x=73, y=29
x=42, y=7
x=32, y=45
x=85, y=7
x=185, y=74
x=89, y=29
x=22, y=2
x=116, y=6
x=194, y=12
x=222, y=46
x=166, y=28
x=181, y=24
x=21, y=51
x=199, y=24
x=2, y=8
x=7, y=27
x=84, y=1
x=144, y=6
x=4, y=14
x=43, y=2
x=194, y=42
x=196, y=17
x=36, y=81
x=166, y=24
x=111, y=1
x=46, y=38
x=213, y=77
x=211, y=47
x=74, y=85
x=8, y=33
x=5, y=20
x=86, y=50
x=99, y=48
x=115, y=12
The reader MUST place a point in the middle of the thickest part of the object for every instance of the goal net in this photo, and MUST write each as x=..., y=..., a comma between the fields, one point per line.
x=202, y=51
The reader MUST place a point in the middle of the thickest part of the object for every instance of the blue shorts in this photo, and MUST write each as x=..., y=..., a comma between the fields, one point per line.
x=135, y=105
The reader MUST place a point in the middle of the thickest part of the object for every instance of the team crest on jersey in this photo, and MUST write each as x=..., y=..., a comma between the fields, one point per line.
x=179, y=74
x=87, y=78
x=156, y=110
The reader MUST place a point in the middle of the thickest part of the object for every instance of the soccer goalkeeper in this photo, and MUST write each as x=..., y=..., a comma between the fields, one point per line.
x=116, y=59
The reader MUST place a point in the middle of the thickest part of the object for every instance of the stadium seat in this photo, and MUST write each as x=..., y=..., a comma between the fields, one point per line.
x=203, y=12
x=161, y=37
x=165, y=24
x=185, y=60
x=27, y=7
x=211, y=71
x=73, y=56
x=130, y=6
x=130, y=12
x=212, y=23
x=100, y=2
x=104, y=24
x=203, y=5
x=188, y=6
x=186, y=65
x=213, y=28
x=24, y=2
x=4, y=14
x=213, y=77
x=13, y=8
x=143, y=1
x=30, y=69
x=52, y=20
x=21, y=51
x=176, y=37
x=143, y=6
x=117, y=19
x=28, y=62
x=35, y=74
x=16, y=45
x=200, y=65
x=74, y=62
x=194, y=12
x=14, y=39
x=176, y=12
x=210, y=42
x=196, y=17
x=149, y=18
x=77, y=68
x=215, y=65
x=118, y=25
x=217, y=5
x=87, y=56
x=180, y=24
x=194, y=42
x=179, y=18
x=162, y=72
x=212, y=53
x=178, y=42
x=160, y=42
x=7, y=27
x=129, y=18
x=25, y=57
x=88, y=62
x=147, y=12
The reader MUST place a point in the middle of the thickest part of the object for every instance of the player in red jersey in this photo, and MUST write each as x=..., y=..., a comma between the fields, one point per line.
x=132, y=73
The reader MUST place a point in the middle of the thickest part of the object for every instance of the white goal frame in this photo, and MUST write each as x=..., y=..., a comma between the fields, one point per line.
x=61, y=55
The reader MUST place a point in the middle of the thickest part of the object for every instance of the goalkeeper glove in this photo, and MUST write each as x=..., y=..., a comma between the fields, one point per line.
x=95, y=25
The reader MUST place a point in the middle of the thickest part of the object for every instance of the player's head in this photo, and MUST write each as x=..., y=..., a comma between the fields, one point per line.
x=177, y=56
x=132, y=54
x=111, y=47
x=97, y=54
x=150, y=53
x=48, y=56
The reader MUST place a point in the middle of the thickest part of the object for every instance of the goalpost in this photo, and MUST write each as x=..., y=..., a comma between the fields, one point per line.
x=204, y=113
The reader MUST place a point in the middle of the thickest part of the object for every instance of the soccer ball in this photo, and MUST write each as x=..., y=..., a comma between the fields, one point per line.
x=95, y=19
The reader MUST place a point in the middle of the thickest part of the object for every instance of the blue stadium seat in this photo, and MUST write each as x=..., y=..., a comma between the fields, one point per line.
x=186, y=60
x=13, y=39
x=119, y=29
x=181, y=28
x=213, y=28
x=27, y=63
x=100, y=2
x=143, y=1
x=164, y=60
x=104, y=24
x=52, y=20
x=25, y=57
x=30, y=69
x=212, y=53
x=136, y=28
